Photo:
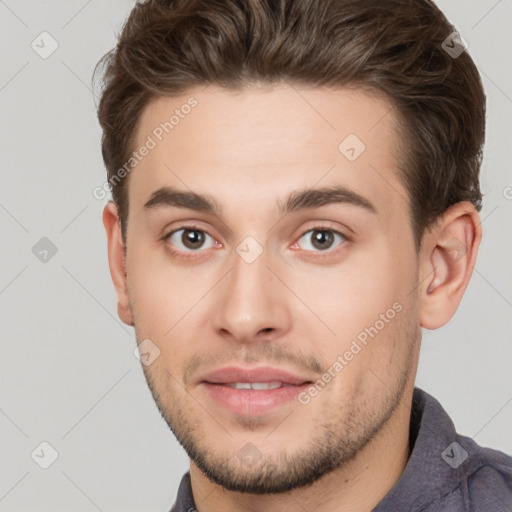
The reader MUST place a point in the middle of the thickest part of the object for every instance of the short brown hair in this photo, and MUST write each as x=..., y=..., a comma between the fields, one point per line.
x=394, y=47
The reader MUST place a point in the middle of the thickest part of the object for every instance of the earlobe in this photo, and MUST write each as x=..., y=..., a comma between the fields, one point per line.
x=117, y=261
x=448, y=258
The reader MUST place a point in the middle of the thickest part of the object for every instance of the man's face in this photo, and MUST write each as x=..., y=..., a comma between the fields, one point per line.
x=318, y=287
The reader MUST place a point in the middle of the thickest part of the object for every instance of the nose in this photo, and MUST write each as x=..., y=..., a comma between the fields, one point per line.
x=253, y=303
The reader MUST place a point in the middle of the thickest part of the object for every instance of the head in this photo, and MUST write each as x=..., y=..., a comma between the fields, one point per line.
x=295, y=185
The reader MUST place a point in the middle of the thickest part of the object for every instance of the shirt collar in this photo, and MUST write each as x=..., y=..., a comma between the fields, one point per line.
x=427, y=476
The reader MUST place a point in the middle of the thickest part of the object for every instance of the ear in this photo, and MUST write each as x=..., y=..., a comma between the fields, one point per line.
x=448, y=256
x=117, y=261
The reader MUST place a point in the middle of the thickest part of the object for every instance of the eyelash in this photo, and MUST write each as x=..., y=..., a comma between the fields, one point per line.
x=190, y=254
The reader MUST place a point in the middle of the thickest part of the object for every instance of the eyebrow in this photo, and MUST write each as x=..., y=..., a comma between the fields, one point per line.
x=167, y=196
x=297, y=201
x=318, y=197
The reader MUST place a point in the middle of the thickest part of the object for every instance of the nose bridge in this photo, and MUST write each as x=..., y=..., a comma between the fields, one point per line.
x=251, y=300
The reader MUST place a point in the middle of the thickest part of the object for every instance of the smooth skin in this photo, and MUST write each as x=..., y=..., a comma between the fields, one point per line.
x=299, y=304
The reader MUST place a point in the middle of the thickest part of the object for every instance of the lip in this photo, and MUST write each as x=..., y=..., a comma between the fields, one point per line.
x=232, y=374
x=252, y=402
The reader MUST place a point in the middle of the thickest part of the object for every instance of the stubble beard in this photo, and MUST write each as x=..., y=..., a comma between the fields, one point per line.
x=336, y=440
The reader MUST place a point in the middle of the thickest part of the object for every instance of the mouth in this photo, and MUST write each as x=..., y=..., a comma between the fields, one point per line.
x=252, y=391
x=257, y=385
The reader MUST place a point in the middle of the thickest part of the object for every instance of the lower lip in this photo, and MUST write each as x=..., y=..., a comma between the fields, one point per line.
x=251, y=402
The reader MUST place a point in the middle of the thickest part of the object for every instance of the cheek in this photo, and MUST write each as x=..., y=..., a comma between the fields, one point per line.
x=164, y=295
x=368, y=306
x=352, y=296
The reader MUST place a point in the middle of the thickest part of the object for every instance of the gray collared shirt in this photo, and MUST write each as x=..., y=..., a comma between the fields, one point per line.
x=445, y=472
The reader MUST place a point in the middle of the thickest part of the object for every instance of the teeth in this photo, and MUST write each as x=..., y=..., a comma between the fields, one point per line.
x=240, y=385
x=255, y=385
x=266, y=385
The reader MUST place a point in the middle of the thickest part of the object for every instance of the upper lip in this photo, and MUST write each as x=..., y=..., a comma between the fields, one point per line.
x=232, y=374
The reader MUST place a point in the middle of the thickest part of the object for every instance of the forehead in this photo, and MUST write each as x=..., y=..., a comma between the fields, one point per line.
x=259, y=141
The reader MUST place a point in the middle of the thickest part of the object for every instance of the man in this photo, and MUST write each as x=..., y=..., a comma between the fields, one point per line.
x=295, y=195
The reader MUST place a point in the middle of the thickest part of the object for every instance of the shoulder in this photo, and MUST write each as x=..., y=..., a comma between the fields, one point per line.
x=481, y=482
x=447, y=471
x=486, y=478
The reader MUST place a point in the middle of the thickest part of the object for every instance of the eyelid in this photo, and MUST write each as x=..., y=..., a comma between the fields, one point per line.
x=172, y=233
x=318, y=226
x=172, y=228
x=323, y=227
x=187, y=254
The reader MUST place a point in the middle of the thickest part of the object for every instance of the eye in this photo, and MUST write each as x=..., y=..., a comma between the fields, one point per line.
x=190, y=239
x=320, y=239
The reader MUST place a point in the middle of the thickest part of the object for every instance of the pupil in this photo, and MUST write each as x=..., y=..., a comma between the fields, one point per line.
x=322, y=239
x=192, y=238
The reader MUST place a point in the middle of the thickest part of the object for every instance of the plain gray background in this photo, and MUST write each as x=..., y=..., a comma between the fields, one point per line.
x=68, y=373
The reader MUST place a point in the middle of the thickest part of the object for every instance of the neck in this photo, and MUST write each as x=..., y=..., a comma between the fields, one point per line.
x=357, y=486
